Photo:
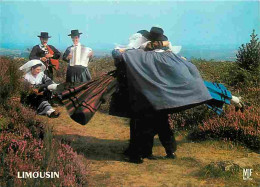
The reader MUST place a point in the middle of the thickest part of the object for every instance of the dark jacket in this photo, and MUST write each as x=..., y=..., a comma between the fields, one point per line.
x=37, y=53
x=66, y=54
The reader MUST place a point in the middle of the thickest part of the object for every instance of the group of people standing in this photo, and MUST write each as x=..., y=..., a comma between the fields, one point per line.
x=77, y=56
x=44, y=60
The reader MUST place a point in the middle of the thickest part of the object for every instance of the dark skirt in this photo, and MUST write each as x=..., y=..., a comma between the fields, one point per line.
x=78, y=74
x=39, y=102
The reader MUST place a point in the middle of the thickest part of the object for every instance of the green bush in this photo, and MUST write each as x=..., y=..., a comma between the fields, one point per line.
x=246, y=71
x=10, y=78
x=248, y=57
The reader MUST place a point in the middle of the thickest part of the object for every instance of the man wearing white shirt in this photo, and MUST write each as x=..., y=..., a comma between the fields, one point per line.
x=78, y=57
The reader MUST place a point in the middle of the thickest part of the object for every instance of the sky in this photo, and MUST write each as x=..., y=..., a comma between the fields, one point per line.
x=106, y=23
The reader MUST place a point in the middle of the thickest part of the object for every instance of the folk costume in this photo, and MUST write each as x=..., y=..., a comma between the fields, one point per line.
x=40, y=51
x=161, y=82
x=44, y=84
x=77, y=70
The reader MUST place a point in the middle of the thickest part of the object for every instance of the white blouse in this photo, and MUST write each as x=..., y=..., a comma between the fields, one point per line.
x=34, y=80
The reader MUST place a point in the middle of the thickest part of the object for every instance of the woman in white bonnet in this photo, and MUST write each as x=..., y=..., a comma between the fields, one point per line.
x=41, y=87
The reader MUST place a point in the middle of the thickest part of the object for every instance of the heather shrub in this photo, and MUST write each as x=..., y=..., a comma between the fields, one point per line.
x=213, y=71
x=232, y=125
x=235, y=126
x=10, y=77
x=27, y=144
x=99, y=66
x=191, y=118
x=60, y=74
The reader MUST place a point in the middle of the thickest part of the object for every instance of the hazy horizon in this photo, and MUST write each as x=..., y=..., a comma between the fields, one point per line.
x=105, y=23
x=203, y=52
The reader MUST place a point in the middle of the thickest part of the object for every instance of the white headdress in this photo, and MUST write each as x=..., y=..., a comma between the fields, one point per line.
x=174, y=49
x=28, y=65
x=135, y=41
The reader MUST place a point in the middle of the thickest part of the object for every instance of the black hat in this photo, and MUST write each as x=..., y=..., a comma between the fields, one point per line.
x=44, y=35
x=75, y=33
x=156, y=34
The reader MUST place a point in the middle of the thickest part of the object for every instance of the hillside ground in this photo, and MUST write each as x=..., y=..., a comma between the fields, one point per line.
x=103, y=140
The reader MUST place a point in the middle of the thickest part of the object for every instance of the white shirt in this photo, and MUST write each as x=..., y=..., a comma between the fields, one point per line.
x=44, y=48
x=34, y=80
x=80, y=55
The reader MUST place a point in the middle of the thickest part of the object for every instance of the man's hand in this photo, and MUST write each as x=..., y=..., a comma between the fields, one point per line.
x=69, y=57
x=48, y=55
x=90, y=54
x=44, y=59
x=36, y=91
x=122, y=50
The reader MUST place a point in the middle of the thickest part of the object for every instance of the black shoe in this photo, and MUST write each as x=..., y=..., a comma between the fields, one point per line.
x=150, y=157
x=242, y=108
x=170, y=156
x=135, y=160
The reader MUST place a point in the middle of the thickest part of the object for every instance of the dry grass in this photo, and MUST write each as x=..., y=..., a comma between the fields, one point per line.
x=105, y=137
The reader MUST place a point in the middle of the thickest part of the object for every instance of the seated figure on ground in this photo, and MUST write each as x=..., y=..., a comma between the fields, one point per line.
x=40, y=88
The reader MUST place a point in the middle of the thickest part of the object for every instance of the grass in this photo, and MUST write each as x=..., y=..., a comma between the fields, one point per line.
x=105, y=137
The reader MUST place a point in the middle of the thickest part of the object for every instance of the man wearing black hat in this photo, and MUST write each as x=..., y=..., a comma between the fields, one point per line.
x=48, y=54
x=146, y=121
x=78, y=57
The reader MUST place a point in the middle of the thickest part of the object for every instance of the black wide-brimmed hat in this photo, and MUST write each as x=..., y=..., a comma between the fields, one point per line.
x=155, y=34
x=75, y=33
x=44, y=35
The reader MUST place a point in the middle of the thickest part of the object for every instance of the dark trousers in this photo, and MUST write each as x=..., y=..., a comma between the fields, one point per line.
x=49, y=72
x=143, y=130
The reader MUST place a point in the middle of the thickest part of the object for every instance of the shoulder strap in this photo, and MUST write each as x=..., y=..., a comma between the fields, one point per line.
x=50, y=50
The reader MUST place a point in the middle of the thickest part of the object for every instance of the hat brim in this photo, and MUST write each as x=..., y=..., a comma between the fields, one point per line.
x=159, y=38
x=75, y=34
x=44, y=37
x=28, y=65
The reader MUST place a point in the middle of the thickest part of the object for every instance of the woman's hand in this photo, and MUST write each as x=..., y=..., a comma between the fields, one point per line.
x=166, y=43
x=183, y=58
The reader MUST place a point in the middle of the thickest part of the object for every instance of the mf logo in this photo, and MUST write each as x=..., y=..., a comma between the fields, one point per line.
x=247, y=173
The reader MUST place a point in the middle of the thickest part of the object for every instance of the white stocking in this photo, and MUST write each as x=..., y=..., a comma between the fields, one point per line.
x=50, y=111
x=236, y=100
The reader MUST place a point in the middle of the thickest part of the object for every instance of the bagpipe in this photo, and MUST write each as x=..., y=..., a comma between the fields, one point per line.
x=82, y=100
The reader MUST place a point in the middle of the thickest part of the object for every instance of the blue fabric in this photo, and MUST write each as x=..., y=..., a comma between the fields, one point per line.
x=220, y=96
x=166, y=81
x=162, y=80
